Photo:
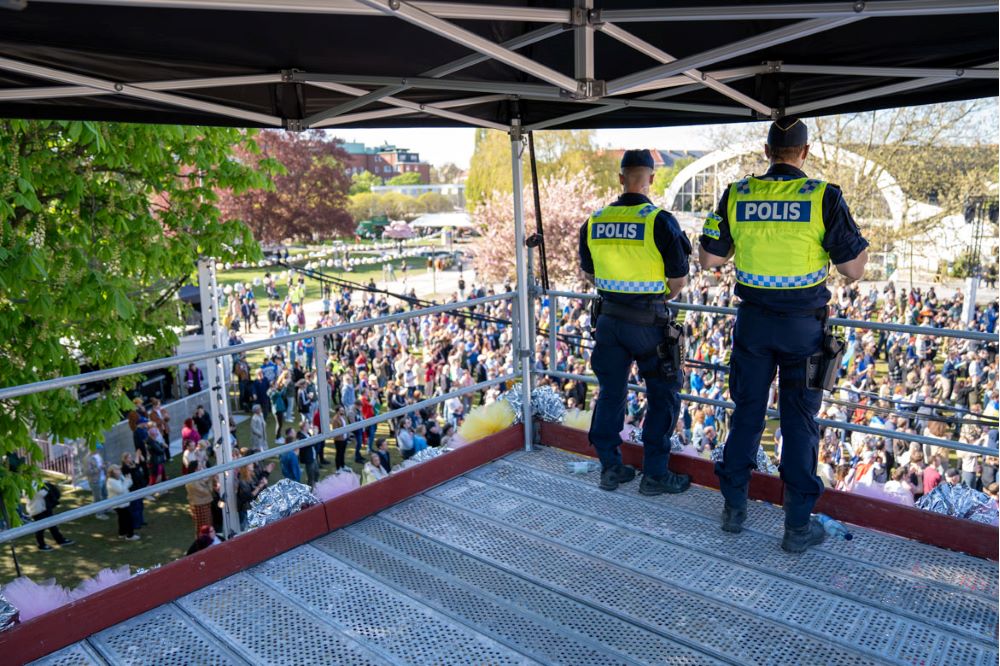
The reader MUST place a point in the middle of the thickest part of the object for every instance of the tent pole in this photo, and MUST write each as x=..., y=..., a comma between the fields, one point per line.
x=525, y=337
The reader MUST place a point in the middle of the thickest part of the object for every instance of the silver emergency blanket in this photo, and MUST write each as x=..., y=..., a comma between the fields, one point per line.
x=7, y=614
x=960, y=501
x=279, y=501
x=546, y=404
x=422, y=456
x=634, y=436
x=764, y=463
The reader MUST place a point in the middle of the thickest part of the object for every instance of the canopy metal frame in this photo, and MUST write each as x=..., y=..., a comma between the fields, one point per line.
x=583, y=19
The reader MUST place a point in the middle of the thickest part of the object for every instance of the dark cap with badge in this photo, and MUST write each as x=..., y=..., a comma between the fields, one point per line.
x=787, y=132
x=637, y=158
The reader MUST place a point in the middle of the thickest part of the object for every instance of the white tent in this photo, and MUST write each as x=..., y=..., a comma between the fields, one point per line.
x=456, y=220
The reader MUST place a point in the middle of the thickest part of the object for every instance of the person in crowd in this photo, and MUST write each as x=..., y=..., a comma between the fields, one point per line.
x=258, y=429
x=373, y=471
x=199, y=496
x=41, y=505
x=307, y=455
x=120, y=485
x=206, y=537
x=202, y=421
x=135, y=469
x=97, y=477
x=382, y=450
x=193, y=379
x=161, y=419
x=637, y=257
x=248, y=486
x=289, y=460
x=339, y=420
x=781, y=273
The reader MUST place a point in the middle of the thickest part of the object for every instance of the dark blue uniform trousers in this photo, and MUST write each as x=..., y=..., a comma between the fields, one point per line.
x=618, y=343
x=764, y=341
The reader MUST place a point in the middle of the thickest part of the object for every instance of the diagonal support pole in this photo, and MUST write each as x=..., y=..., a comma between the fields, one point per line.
x=129, y=90
x=696, y=75
x=526, y=39
x=432, y=109
x=764, y=40
x=411, y=14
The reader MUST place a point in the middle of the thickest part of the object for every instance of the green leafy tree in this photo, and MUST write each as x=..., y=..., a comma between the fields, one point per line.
x=364, y=205
x=558, y=155
x=663, y=177
x=407, y=178
x=434, y=202
x=99, y=225
x=364, y=182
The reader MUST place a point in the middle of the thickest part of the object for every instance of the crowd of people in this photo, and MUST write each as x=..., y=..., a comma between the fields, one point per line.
x=897, y=382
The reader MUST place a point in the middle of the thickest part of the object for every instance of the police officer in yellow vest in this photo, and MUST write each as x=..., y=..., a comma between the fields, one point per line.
x=782, y=230
x=637, y=256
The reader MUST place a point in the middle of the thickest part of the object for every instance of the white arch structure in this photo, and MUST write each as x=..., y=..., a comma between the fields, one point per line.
x=900, y=207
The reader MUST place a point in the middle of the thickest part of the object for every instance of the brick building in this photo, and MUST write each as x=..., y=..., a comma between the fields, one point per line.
x=385, y=161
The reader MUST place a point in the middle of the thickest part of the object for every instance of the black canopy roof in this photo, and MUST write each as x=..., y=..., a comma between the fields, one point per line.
x=551, y=63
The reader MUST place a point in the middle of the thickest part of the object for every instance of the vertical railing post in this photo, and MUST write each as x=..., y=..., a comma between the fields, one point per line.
x=218, y=403
x=553, y=304
x=322, y=386
x=525, y=336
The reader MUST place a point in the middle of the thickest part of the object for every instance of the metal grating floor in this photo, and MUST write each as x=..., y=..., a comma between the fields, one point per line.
x=520, y=562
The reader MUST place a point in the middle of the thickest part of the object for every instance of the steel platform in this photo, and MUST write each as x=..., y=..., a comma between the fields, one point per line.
x=522, y=562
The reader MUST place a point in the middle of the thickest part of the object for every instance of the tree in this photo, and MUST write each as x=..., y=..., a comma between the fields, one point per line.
x=557, y=154
x=446, y=173
x=434, y=202
x=567, y=201
x=364, y=206
x=101, y=223
x=364, y=182
x=309, y=198
x=664, y=176
x=406, y=178
x=399, y=206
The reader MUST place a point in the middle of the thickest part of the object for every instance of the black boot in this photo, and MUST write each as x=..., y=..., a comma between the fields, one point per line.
x=799, y=539
x=615, y=475
x=668, y=483
x=733, y=519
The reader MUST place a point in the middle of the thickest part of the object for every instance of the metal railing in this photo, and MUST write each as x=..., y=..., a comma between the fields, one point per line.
x=554, y=297
x=325, y=433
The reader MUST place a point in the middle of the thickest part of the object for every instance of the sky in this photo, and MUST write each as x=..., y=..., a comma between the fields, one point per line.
x=441, y=145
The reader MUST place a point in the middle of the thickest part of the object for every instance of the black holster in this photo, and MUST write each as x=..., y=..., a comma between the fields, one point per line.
x=823, y=367
x=670, y=352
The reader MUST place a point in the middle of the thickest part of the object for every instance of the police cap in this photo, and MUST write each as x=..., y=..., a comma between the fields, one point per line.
x=637, y=158
x=787, y=132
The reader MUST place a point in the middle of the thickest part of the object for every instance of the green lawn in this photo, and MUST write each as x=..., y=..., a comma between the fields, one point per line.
x=167, y=536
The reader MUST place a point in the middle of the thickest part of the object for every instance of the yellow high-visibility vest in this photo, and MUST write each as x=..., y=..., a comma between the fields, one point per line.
x=777, y=229
x=625, y=256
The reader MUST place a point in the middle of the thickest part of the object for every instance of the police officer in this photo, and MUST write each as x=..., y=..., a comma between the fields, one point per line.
x=782, y=230
x=637, y=256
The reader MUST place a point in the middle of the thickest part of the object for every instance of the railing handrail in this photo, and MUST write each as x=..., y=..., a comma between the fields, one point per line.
x=170, y=361
x=843, y=425
x=978, y=336
x=110, y=503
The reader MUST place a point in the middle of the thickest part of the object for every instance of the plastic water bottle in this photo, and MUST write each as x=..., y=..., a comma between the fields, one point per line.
x=582, y=466
x=833, y=528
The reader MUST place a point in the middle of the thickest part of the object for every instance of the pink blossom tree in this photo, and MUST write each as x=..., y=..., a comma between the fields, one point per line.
x=567, y=202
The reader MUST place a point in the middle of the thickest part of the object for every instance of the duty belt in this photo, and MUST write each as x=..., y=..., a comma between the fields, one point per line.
x=820, y=313
x=635, y=315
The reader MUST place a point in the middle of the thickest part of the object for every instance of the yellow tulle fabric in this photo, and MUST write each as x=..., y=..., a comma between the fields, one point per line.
x=578, y=419
x=486, y=420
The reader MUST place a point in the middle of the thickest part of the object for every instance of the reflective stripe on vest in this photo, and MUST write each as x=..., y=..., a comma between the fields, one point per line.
x=777, y=229
x=621, y=243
